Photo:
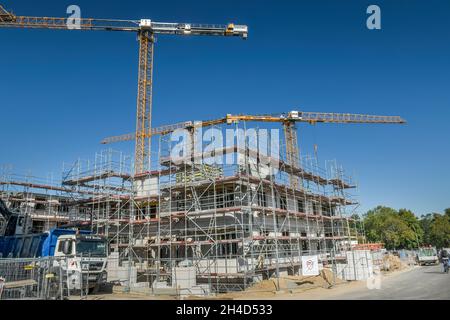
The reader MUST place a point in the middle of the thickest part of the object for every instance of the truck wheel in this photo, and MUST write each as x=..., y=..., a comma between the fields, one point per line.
x=94, y=290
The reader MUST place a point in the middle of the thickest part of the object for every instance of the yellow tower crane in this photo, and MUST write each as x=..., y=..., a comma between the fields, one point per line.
x=288, y=120
x=146, y=30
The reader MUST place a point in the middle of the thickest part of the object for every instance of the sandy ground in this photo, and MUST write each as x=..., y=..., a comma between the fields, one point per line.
x=410, y=283
x=317, y=291
x=416, y=283
x=121, y=296
x=336, y=292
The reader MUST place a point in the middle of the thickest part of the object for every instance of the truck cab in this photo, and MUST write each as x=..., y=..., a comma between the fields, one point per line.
x=84, y=257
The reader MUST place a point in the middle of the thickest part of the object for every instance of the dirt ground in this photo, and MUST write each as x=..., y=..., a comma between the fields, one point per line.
x=324, y=286
x=122, y=296
x=319, y=293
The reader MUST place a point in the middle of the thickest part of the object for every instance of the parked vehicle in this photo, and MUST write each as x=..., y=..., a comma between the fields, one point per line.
x=427, y=256
x=81, y=255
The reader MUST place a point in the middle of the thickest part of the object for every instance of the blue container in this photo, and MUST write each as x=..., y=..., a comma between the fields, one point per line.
x=33, y=245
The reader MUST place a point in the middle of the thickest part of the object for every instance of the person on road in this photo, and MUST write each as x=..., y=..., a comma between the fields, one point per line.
x=444, y=258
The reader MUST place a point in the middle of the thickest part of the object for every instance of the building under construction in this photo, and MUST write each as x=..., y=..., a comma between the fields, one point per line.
x=214, y=219
x=229, y=223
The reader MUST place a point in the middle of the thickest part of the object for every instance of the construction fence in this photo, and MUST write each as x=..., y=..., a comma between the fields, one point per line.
x=35, y=279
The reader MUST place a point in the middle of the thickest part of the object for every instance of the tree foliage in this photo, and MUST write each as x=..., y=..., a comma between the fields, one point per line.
x=395, y=229
x=440, y=231
x=447, y=212
x=426, y=221
x=403, y=230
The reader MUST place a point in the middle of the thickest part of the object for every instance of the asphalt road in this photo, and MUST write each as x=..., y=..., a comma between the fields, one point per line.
x=428, y=282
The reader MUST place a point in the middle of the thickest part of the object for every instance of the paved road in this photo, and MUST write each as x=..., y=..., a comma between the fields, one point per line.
x=428, y=282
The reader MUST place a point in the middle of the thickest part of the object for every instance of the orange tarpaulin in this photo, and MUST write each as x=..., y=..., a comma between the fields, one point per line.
x=369, y=246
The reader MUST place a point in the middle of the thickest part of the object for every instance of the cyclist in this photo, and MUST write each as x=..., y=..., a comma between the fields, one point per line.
x=444, y=257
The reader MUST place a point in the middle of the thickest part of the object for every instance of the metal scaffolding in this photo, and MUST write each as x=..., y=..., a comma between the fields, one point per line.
x=221, y=225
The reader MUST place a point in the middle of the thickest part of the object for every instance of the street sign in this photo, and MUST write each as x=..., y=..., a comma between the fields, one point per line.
x=310, y=266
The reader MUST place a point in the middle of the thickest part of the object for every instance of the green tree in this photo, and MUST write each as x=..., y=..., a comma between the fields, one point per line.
x=426, y=221
x=355, y=225
x=394, y=229
x=440, y=231
x=447, y=212
x=414, y=224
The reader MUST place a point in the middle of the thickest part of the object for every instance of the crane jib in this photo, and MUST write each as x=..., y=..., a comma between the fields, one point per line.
x=146, y=28
x=8, y=20
x=293, y=116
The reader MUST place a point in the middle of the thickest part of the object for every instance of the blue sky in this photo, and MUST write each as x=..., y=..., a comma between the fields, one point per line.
x=63, y=91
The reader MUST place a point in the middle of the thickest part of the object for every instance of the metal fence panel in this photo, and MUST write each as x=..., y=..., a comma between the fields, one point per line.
x=34, y=278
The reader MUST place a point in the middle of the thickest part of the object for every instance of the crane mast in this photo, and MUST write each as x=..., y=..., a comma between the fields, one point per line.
x=146, y=30
x=292, y=150
x=144, y=101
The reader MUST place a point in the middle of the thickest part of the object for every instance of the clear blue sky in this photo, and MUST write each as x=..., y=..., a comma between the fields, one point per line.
x=63, y=91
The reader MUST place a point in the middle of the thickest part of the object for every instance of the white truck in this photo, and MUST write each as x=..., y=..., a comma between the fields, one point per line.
x=427, y=256
x=80, y=256
x=77, y=258
x=85, y=260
